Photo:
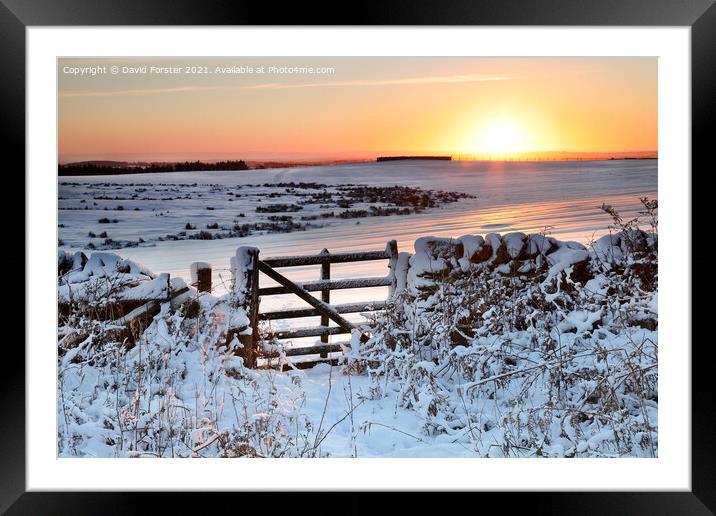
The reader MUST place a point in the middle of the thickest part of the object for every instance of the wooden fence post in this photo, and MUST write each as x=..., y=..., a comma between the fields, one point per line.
x=254, y=307
x=392, y=250
x=201, y=276
x=165, y=279
x=401, y=272
x=325, y=296
x=246, y=269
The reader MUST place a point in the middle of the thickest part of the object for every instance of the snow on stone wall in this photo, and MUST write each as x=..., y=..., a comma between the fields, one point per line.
x=436, y=258
x=102, y=276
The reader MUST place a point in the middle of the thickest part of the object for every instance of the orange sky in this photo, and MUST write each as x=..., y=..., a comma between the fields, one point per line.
x=484, y=107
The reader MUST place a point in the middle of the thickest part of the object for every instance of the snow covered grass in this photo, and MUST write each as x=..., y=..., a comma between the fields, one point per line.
x=116, y=215
x=527, y=360
x=510, y=196
x=507, y=345
x=576, y=382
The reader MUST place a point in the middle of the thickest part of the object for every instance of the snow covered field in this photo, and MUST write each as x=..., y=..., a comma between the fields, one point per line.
x=509, y=196
x=547, y=366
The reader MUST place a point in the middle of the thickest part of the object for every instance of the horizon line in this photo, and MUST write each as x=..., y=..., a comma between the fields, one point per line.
x=347, y=156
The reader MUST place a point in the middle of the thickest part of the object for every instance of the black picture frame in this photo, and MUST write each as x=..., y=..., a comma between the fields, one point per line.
x=700, y=15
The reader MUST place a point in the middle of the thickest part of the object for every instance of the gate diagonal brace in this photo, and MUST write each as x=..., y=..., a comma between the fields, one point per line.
x=319, y=305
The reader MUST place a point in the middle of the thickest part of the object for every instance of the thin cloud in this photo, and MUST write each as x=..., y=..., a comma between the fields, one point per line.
x=449, y=79
x=131, y=93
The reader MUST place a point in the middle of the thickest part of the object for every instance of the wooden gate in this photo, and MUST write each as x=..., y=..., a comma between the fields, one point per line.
x=318, y=307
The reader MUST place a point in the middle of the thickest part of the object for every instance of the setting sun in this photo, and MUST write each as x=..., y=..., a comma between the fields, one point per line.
x=500, y=137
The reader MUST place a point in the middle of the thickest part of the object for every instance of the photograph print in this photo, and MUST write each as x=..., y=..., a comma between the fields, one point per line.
x=357, y=257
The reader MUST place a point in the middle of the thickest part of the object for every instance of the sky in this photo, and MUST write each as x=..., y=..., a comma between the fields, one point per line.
x=311, y=108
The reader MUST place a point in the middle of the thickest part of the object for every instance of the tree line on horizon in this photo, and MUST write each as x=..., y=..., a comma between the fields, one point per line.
x=95, y=169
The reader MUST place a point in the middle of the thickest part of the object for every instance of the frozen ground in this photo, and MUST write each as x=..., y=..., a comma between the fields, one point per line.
x=470, y=359
x=178, y=404
x=509, y=196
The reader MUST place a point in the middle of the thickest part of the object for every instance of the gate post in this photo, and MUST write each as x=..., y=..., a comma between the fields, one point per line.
x=325, y=296
x=201, y=276
x=246, y=295
x=391, y=250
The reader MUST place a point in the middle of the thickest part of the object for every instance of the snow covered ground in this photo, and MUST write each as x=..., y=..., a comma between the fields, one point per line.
x=509, y=196
x=574, y=377
x=503, y=346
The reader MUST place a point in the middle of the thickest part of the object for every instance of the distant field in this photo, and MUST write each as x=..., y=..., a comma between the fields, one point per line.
x=509, y=196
